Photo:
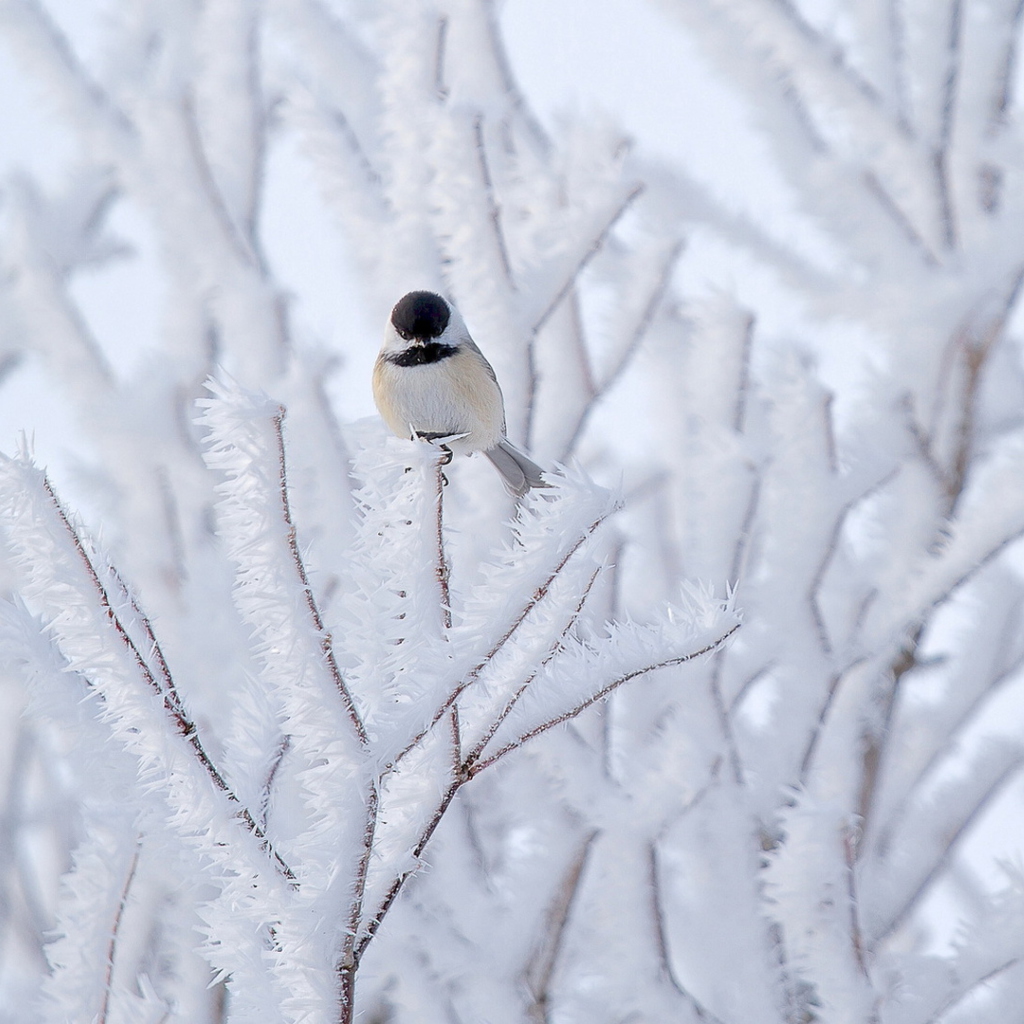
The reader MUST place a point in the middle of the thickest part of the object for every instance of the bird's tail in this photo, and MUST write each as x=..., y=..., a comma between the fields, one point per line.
x=518, y=472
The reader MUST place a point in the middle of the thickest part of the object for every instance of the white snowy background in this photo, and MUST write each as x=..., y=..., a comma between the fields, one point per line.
x=726, y=726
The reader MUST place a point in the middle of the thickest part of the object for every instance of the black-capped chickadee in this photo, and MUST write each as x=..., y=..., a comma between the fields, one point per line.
x=431, y=381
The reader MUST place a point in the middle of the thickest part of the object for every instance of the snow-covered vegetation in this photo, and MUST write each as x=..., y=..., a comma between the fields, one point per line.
x=724, y=726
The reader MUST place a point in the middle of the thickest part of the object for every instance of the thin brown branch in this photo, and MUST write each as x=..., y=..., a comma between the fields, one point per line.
x=234, y=236
x=474, y=755
x=114, y=935
x=600, y=695
x=1007, y=72
x=739, y=419
x=78, y=86
x=35, y=923
x=373, y=925
x=326, y=642
x=440, y=54
x=163, y=687
x=940, y=157
x=503, y=68
x=348, y=964
x=581, y=264
x=541, y=968
x=958, y=997
x=952, y=840
x=464, y=774
x=831, y=549
x=725, y=722
x=976, y=349
x=812, y=743
x=947, y=747
x=898, y=62
x=849, y=840
x=876, y=742
x=630, y=349
x=661, y=937
x=283, y=746
x=538, y=595
x=456, y=765
x=922, y=441
x=742, y=546
x=831, y=52
x=442, y=570
x=493, y=208
x=899, y=218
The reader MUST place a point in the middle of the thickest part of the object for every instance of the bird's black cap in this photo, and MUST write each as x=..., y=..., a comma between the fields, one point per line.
x=420, y=315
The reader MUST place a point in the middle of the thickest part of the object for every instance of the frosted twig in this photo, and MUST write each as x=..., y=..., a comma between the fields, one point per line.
x=724, y=719
x=874, y=748
x=541, y=968
x=743, y=385
x=941, y=156
x=946, y=745
x=830, y=51
x=348, y=964
x=922, y=441
x=36, y=922
x=812, y=743
x=268, y=783
x=831, y=549
x=600, y=695
x=115, y=934
x=592, y=250
x=629, y=350
x=976, y=353
x=215, y=200
x=899, y=217
x=849, y=840
x=463, y=773
x=958, y=997
x=493, y=209
x=439, y=58
x=905, y=661
x=1007, y=71
x=473, y=756
x=898, y=61
x=952, y=839
x=326, y=643
x=538, y=595
x=395, y=888
x=742, y=545
x=442, y=570
x=166, y=689
x=661, y=937
x=73, y=82
x=503, y=69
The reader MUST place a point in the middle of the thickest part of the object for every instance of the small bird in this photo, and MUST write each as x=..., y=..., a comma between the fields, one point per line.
x=431, y=381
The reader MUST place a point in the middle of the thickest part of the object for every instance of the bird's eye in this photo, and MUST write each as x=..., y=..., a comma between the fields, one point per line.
x=404, y=335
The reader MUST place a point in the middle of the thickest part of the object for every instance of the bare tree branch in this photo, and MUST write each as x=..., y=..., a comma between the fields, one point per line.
x=599, y=695
x=540, y=970
x=492, y=201
x=924, y=886
x=115, y=934
x=326, y=642
x=539, y=594
x=164, y=686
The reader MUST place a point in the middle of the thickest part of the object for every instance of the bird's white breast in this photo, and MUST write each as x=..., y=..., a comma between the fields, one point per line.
x=451, y=396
